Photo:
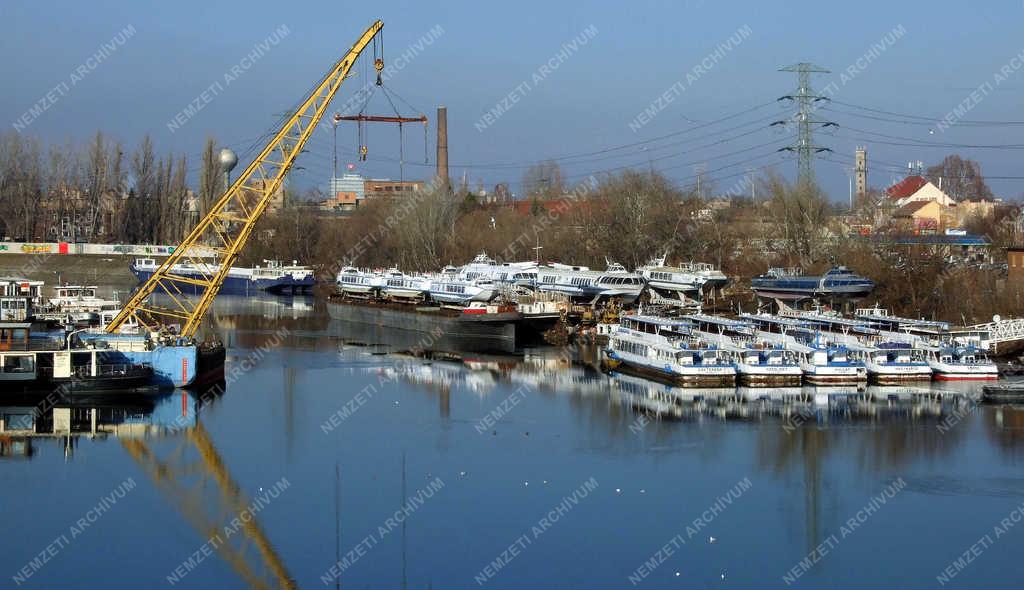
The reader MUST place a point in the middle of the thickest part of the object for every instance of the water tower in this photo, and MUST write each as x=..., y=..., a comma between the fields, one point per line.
x=227, y=160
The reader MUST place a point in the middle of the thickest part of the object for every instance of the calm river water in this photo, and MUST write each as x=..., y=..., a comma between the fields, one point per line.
x=335, y=458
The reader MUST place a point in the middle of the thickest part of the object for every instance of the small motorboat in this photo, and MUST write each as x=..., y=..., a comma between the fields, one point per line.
x=1003, y=394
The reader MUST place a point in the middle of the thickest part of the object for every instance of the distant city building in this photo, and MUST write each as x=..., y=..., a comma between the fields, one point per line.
x=861, y=172
x=349, y=183
x=391, y=188
x=351, y=189
x=277, y=200
x=916, y=188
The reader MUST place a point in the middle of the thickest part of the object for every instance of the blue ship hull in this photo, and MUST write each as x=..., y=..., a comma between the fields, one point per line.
x=243, y=286
x=174, y=365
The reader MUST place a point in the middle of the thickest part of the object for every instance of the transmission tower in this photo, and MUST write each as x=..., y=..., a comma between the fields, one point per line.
x=807, y=102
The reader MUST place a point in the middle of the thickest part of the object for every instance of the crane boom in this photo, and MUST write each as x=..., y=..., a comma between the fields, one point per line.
x=227, y=226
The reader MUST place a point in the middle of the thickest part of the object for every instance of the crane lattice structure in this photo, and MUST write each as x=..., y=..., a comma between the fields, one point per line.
x=224, y=230
x=806, y=101
x=185, y=481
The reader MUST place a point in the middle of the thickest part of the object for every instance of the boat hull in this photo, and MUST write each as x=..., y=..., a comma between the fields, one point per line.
x=234, y=285
x=723, y=375
x=769, y=376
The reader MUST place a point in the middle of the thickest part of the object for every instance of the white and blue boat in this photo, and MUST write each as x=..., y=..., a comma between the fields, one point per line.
x=790, y=285
x=272, y=278
x=666, y=348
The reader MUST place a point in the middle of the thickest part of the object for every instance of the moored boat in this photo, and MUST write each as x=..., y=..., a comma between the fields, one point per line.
x=961, y=363
x=664, y=348
x=272, y=278
x=400, y=286
x=893, y=363
x=791, y=285
x=355, y=282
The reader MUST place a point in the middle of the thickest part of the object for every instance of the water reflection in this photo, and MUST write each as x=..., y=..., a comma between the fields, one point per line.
x=24, y=420
x=818, y=451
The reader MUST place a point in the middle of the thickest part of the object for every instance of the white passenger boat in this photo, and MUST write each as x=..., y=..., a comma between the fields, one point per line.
x=961, y=363
x=829, y=364
x=687, y=278
x=398, y=285
x=580, y=282
x=666, y=348
x=891, y=363
x=670, y=279
x=710, y=276
x=755, y=364
x=453, y=287
x=359, y=283
x=485, y=267
x=822, y=362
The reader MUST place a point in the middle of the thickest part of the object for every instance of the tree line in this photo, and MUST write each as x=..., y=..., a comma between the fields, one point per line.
x=100, y=191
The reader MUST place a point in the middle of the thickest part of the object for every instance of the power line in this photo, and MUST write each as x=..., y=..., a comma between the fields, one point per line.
x=933, y=120
x=920, y=143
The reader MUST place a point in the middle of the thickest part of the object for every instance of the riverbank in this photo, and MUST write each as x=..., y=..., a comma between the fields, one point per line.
x=109, y=273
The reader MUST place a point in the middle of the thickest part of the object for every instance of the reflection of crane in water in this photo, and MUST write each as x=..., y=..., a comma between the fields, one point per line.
x=184, y=482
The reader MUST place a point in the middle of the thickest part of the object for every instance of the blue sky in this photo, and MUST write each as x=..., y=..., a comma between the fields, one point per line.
x=636, y=52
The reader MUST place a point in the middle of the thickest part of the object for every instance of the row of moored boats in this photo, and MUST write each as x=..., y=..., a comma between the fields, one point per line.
x=793, y=347
x=482, y=279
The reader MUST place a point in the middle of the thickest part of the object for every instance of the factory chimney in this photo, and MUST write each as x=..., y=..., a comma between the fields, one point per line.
x=442, y=147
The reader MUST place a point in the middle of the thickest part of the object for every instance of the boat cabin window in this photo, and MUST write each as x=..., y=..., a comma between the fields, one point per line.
x=18, y=364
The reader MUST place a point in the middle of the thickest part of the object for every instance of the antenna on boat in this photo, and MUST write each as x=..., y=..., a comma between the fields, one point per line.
x=536, y=251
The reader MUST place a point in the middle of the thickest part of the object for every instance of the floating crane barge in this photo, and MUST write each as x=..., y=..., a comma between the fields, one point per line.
x=166, y=311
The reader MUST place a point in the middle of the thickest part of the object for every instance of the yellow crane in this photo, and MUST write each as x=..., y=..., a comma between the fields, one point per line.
x=224, y=230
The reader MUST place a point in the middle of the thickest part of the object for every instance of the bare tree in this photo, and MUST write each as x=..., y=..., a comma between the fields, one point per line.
x=959, y=178
x=210, y=181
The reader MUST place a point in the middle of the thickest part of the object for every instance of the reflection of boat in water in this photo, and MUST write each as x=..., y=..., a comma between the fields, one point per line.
x=443, y=375
x=29, y=417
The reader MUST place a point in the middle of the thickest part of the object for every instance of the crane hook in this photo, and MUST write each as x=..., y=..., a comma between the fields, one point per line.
x=378, y=64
